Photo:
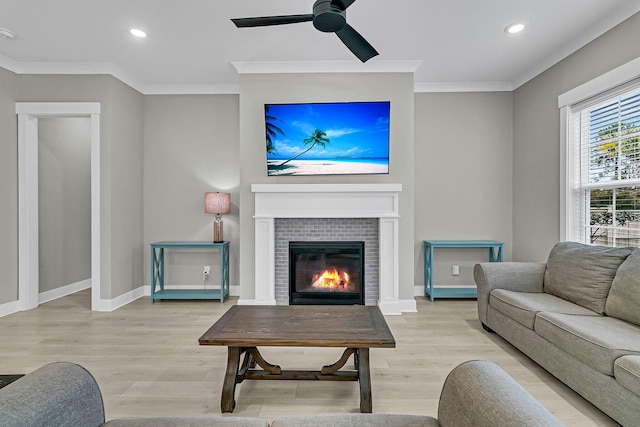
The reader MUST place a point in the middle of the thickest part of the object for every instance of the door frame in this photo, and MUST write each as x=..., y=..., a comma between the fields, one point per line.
x=28, y=233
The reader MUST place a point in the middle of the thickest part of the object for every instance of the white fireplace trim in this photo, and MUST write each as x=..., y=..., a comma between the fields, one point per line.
x=327, y=201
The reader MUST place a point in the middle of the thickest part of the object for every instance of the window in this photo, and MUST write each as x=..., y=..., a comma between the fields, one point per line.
x=603, y=168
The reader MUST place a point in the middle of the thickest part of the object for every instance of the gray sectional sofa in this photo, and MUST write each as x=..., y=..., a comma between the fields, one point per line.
x=577, y=315
x=476, y=393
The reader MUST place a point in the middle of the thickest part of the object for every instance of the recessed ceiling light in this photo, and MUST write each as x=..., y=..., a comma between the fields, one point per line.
x=514, y=28
x=7, y=34
x=138, y=33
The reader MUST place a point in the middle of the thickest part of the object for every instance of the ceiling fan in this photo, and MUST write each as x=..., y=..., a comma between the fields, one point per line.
x=328, y=16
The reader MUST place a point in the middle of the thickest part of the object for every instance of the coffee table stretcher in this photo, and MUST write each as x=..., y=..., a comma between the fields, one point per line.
x=236, y=373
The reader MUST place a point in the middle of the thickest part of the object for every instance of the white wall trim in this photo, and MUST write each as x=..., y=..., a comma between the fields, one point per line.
x=28, y=258
x=257, y=67
x=603, y=83
x=9, y=308
x=64, y=291
x=564, y=170
x=398, y=307
x=28, y=246
x=119, y=301
x=58, y=109
x=301, y=67
x=426, y=87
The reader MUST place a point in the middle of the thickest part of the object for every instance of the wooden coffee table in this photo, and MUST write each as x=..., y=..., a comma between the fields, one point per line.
x=245, y=328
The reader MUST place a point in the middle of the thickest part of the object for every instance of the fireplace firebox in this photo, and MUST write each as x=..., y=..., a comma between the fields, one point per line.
x=326, y=273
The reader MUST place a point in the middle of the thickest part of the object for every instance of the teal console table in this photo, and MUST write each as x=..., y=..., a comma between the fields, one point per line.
x=157, y=272
x=495, y=255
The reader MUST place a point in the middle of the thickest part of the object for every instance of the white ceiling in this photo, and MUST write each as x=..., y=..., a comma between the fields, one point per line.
x=192, y=45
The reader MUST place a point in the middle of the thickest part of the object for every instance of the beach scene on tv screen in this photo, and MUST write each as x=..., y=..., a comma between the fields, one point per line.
x=327, y=138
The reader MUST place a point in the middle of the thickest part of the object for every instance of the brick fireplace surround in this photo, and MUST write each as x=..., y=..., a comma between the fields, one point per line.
x=277, y=201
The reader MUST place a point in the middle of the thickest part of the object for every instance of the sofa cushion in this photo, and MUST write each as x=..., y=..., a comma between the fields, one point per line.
x=583, y=274
x=627, y=372
x=597, y=341
x=523, y=306
x=624, y=296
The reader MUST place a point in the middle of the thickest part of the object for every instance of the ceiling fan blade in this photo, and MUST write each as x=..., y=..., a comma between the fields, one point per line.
x=342, y=4
x=264, y=21
x=356, y=43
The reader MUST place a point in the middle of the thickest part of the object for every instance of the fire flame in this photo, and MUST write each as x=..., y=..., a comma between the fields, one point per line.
x=331, y=279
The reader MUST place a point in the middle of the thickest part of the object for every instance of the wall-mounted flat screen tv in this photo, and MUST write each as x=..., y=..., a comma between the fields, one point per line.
x=337, y=138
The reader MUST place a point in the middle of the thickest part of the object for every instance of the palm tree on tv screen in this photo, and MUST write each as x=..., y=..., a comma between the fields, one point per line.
x=318, y=137
x=272, y=130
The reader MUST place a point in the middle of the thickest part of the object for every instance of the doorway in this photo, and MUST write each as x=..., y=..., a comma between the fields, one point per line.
x=28, y=228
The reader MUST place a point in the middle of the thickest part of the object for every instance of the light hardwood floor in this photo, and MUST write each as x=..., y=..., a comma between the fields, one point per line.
x=147, y=361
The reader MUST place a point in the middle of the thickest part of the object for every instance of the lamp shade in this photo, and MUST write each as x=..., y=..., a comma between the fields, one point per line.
x=217, y=203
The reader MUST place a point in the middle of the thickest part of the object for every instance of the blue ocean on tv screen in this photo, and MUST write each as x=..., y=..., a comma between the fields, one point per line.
x=327, y=138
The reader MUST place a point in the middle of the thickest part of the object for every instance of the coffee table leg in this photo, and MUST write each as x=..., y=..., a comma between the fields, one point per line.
x=364, y=378
x=228, y=402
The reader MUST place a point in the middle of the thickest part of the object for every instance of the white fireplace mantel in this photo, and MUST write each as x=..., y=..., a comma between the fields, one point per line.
x=327, y=201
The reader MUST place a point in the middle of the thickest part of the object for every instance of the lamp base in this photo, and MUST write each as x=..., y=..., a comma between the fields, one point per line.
x=217, y=232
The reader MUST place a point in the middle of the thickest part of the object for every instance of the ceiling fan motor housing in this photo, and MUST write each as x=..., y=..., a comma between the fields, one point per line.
x=328, y=17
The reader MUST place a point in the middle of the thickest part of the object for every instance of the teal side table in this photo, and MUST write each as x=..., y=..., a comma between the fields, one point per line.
x=495, y=255
x=157, y=272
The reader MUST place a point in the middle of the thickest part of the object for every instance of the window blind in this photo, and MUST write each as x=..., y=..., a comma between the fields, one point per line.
x=605, y=167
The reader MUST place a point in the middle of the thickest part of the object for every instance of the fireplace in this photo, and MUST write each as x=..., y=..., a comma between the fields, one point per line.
x=275, y=202
x=326, y=272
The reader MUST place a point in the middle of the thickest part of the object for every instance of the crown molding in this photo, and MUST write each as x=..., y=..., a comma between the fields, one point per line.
x=291, y=67
x=192, y=89
x=425, y=87
x=283, y=67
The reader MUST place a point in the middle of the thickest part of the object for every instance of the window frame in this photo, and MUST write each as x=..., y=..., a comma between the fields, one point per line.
x=608, y=85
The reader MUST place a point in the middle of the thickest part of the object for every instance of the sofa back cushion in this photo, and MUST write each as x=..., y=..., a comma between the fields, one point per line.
x=583, y=274
x=624, y=297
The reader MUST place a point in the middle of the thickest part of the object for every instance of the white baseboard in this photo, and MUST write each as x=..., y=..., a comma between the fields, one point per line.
x=398, y=307
x=63, y=291
x=121, y=300
x=9, y=308
x=418, y=291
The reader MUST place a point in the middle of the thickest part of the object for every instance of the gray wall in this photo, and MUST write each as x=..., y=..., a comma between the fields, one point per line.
x=190, y=147
x=64, y=201
x=124, y=165
x=120, y=163
x=536, y=121
x=463, y=175
x=8, y=188
x=258, y=89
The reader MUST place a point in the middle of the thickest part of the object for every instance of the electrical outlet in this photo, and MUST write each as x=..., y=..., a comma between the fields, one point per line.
x=207, y=270
x=455, y=270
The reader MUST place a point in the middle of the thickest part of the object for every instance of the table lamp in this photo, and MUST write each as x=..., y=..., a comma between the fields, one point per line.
x=217, y=203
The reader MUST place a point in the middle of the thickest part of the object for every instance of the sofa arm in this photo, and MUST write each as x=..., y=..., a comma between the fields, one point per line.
x=514, y=276
x=480, y=394
x=58, y=394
